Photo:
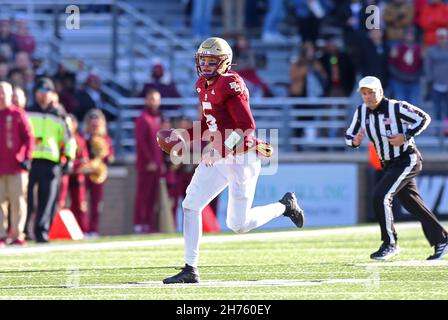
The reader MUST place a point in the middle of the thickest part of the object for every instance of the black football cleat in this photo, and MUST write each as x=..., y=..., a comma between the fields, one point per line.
x=385, y=252
x=293, y=211
x=188, y=274
x=440, y=250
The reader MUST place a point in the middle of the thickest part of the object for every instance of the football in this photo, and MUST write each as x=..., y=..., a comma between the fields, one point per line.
x=170, y=142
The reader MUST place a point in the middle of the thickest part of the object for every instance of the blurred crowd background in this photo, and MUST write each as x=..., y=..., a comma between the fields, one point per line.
x=131, y=65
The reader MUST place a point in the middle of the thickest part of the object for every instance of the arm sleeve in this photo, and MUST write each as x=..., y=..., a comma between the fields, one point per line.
x=353, y=129
x=26, y=136
x=241, y=114
x=417, y=119
x=140, y=133
x=68, y=140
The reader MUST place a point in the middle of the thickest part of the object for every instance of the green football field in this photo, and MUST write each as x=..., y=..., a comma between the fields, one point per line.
x=331, y=263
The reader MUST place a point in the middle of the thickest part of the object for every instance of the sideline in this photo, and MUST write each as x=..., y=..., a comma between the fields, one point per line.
x=51, y=247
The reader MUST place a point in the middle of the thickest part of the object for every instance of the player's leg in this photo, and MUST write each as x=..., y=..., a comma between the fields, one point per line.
x=241, y=217
x=434, y=232
x=206, y=184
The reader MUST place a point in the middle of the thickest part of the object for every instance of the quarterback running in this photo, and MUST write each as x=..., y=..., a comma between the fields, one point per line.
x=231, y=160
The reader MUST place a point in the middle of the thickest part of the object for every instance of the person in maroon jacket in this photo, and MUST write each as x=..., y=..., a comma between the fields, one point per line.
x=150, y=164
x=231, y=160
x=95, y=126
x=16, y=145
x=76, y=181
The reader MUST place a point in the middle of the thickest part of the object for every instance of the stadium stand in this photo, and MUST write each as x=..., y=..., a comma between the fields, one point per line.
x=119, y=43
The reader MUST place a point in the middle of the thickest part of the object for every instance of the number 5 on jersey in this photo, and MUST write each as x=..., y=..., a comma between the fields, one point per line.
x=211, y=120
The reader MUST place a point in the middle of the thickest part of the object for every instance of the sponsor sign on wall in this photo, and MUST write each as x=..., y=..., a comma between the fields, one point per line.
x=433, y=187
x=327, y=192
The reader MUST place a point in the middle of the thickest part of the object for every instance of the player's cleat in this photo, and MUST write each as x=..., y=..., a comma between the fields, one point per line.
x=440, y=250
x=293, y=211
x=188, y=274
x=385, y=252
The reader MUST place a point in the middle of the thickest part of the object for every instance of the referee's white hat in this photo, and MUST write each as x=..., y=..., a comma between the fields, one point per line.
x=370, y=82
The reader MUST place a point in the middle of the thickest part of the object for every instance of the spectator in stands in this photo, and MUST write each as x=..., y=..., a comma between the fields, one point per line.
x=339, y=67
x=245, y=65
x=66, y=90
x=398, y=16
x=90, y=97
x=22, y=61
x=29, y=83
x=307, y=74
x=4, y=71
x=233, y=17
x=150, y=166
x=418, y=8
x=436, y=71
x=25, y=40
x=433, y=16
x=310, y=14
x=8, y=44
x=16, y=77
x=406, y=67
x=162, y=82
x=77, y=179
x=19, y=97
x=16, y=145
x=172, y=170
x=308, y=79
x=374, y=55
x=38, y=64
x=341, y=72
x=273, y=17
x=201, y=19
x=63, y=183
x=100, y=147
x=255, y=15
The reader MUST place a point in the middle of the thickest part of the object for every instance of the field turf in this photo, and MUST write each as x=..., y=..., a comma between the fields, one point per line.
x=329, y=263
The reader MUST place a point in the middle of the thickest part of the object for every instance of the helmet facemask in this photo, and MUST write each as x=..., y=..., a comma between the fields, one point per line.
x=215, y=64
x=213, y=58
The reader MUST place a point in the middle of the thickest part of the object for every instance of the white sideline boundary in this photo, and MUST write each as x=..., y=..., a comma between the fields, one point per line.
x=50, y=247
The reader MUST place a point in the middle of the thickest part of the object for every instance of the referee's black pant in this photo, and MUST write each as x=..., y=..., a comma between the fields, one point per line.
x=46, y=175
x=399, y=180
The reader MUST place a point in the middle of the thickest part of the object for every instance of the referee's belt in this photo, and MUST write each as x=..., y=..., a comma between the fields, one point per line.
x=409, y=150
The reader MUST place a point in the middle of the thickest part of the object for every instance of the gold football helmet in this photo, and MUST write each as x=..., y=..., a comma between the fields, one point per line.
x=219, y=50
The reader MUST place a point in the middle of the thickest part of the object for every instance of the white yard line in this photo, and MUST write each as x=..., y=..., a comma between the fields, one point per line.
x=44, y=248
x=425, y=263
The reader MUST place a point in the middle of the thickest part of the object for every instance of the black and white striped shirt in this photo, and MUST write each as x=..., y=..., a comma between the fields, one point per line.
x=391, y=117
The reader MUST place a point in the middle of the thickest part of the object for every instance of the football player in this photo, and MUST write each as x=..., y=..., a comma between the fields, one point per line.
x=231, y=161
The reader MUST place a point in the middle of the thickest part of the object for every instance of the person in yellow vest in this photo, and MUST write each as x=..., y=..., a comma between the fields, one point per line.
x=51, y=132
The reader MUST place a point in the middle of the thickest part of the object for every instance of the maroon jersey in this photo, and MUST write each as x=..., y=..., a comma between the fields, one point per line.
x=225, y=108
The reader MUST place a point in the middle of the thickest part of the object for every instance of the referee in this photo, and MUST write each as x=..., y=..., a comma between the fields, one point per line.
x=391, y=126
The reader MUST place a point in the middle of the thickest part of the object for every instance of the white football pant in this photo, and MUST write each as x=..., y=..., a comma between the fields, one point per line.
x=241, y=177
